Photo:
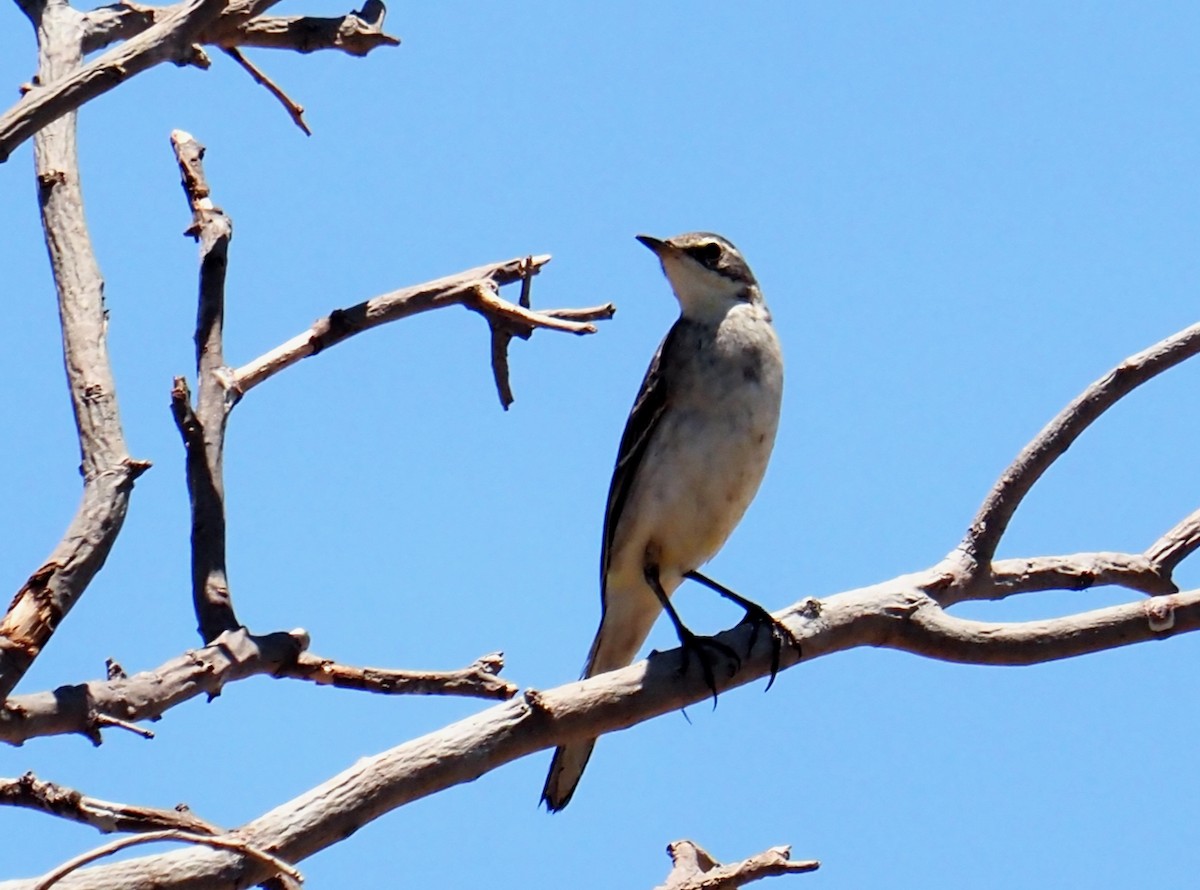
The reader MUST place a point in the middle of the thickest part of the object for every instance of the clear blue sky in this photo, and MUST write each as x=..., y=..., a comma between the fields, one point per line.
x=961, y=214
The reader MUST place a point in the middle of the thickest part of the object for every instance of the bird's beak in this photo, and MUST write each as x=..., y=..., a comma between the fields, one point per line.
x=657, y=245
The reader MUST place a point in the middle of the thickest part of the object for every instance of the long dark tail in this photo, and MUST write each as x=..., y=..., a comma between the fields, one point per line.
x=626, y=624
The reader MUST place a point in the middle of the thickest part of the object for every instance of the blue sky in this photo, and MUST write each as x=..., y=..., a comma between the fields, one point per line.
x=961, y=214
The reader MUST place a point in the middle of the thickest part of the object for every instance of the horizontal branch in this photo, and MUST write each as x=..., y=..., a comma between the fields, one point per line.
x=694, y=868
x=356, y=33
x=233, y=656
x=1078, y=571
x=478, y=680
x=898, y=614
x=67, y=803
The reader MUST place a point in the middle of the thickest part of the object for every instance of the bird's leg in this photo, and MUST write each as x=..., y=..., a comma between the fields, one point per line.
x=756, y=616
x=688, y=640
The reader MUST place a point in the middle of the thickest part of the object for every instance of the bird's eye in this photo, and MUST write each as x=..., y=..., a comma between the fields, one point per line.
x=708, y=253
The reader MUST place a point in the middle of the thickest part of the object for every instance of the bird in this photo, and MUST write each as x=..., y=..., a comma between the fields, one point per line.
x=691, y=458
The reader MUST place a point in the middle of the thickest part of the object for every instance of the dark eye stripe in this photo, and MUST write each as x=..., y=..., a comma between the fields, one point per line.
x=709, y=253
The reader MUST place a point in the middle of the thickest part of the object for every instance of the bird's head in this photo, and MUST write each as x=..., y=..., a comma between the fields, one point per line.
x=707, y=273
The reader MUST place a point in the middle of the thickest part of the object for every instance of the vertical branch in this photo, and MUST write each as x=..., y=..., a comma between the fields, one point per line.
x=108, y=471
x=203, y=429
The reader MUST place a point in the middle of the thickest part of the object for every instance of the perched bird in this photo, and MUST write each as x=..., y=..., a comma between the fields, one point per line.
x=691, y=458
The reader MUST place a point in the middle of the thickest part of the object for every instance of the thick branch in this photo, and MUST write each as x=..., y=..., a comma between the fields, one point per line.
x=979, y=544
x=61, y=91
x=108, y=471
x=233, y=656
x=356, y=33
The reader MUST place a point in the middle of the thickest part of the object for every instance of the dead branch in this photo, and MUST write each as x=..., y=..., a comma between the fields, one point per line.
x=108, y=470
x=153, y=35
x=206, y=672
x=355, y=33
x=57, y=800
x=236, y=845
x=475, y=288
x=695, y=869
x=63, y=89
x=1177, y=544
x=203, y=427
x=983, y=536
x=295, y=110
x=478, y=680
x=905, y=613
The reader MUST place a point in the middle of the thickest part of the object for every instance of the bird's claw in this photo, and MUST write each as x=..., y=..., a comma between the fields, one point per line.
x=702, y=646
x=756, y=616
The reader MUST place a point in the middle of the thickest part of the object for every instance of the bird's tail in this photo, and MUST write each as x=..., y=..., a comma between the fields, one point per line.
x=624, y=627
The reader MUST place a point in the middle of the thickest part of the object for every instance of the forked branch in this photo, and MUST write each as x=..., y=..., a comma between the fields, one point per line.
x=906, y=613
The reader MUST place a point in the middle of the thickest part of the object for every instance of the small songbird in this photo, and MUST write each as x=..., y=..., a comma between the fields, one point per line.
x=691, y=458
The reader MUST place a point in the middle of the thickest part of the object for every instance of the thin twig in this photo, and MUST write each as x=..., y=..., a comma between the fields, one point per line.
x=102, y=720
x=484, y=298
x=172, y=834
x=294, y=109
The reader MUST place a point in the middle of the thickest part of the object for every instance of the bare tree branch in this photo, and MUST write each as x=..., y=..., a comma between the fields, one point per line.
x=475, y=288
x=478, y=680
x=905, y=613
x=233, y=656
x=695, y=869
x=356, y=33
x=898, y=614
x=203, y=428
x=67, y=803
x=64, y=88
x=1078, y=571
x=243, y=24
x=108, y=470
x=105, y=25
x=1176, y=545
x=274, y=863
x=979, y=544
x=295, y=111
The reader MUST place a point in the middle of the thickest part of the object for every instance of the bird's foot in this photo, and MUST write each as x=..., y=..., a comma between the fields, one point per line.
x=710, y=652
x=758, y=617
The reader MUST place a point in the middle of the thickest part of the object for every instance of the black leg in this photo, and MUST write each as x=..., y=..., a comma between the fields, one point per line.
x=691, y=642
x=756, y=616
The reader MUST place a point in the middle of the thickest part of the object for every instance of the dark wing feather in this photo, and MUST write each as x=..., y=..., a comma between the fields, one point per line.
x=643, y=419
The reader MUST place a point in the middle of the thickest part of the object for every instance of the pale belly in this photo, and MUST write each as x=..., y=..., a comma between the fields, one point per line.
x=700, y=473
